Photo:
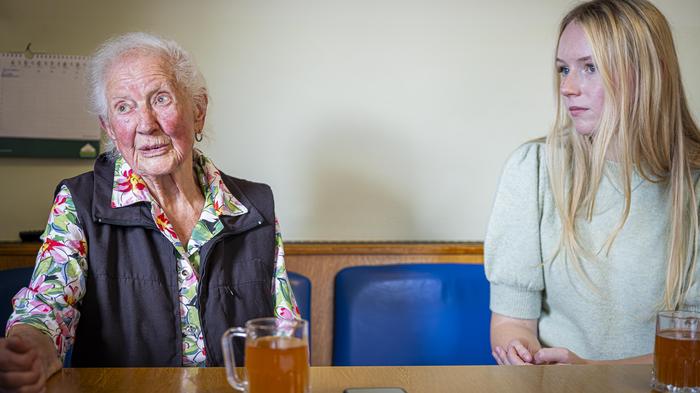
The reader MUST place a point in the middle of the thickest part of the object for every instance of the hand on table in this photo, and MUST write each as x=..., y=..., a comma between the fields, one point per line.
x=558, y=356
x=21, y=368
x=516, y=353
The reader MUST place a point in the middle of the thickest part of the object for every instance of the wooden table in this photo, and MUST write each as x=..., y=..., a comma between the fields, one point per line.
x=525, y=379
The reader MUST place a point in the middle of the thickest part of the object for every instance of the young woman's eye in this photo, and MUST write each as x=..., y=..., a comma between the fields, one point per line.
x=564, y=70
x=590, y=68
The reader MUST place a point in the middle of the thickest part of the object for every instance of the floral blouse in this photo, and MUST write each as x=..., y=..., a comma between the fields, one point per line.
x=51, y=302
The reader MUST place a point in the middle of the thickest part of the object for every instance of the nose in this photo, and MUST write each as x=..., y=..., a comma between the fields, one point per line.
x=570, y=85
x=147, y=122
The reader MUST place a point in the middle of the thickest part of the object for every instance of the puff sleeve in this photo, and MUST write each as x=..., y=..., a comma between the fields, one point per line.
x=512, y=248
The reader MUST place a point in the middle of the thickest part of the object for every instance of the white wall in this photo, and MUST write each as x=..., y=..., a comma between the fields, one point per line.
x=371, y=120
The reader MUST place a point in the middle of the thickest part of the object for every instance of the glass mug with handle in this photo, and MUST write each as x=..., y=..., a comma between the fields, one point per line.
x=677, y=352
x=276, y=356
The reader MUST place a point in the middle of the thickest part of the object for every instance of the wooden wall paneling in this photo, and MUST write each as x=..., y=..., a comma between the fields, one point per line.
x=15, y=254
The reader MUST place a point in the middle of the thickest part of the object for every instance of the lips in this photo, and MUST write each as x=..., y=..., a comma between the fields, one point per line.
x=577, y=110
x=154, y=149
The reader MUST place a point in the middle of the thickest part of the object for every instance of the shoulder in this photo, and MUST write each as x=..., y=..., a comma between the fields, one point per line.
x=245, y=186
x=81, y=185
x=526, y=163
x=251, y=193
x=103, y=168
x=235, y=185
x=528, y=154
x=95, y=185
x=86, y=178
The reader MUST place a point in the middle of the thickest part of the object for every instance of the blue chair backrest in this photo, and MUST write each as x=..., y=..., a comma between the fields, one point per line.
x=414, y=314
x=11, y=281
x=301, y=286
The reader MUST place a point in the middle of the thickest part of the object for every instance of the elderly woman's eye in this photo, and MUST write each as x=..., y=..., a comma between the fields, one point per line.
x=162, y=99
x=122, y=108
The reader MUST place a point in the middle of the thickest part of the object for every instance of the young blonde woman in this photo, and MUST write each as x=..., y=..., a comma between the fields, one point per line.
x=594, y=229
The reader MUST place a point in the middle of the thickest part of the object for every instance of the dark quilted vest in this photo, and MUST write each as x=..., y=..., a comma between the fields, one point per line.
x=130, y=312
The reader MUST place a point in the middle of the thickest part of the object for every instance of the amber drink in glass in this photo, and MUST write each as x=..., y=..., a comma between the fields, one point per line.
x=677, y=352
x=276, y=356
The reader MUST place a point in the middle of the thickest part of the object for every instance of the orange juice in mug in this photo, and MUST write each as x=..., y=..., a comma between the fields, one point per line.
x=276, y=356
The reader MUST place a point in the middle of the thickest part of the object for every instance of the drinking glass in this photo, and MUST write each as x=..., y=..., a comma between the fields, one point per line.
x=276, y=356
x=677, y=352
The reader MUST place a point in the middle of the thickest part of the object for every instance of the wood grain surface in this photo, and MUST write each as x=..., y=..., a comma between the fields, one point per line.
x=500, y=379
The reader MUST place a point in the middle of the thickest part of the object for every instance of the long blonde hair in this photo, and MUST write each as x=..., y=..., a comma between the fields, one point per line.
x=645, y=118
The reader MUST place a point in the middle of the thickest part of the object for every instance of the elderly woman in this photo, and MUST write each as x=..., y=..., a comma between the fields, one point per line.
x=149, y=258
x=596, y=228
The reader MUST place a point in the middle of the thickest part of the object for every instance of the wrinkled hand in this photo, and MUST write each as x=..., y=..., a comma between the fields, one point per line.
x=516, y=353
x=21, y=369
x=558, y=356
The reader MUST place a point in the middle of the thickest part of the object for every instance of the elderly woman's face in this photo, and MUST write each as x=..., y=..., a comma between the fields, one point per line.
x=150, y=117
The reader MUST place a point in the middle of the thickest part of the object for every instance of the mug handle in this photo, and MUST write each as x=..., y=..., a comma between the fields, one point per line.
x=230, y=358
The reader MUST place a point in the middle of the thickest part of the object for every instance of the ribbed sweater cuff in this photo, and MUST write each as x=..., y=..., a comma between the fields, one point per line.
x=515, y=302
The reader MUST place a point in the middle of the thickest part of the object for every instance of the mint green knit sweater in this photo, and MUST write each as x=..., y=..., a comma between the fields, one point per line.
x=618, y=320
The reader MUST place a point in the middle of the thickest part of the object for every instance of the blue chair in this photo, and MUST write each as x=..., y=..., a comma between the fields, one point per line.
x=414, y=314
x=11, y=281
x=301, y=286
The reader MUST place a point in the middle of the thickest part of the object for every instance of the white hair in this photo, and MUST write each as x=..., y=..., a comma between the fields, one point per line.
x=182, y=65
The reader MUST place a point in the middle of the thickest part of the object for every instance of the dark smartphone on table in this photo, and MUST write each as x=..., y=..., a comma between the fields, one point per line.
x=374, y=390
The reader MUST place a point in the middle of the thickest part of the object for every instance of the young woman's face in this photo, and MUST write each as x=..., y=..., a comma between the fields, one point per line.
x=581, y=85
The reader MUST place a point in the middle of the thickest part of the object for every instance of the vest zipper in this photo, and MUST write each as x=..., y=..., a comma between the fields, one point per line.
x=202, y=268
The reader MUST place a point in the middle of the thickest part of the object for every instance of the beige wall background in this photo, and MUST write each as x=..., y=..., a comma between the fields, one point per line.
x=371, y=120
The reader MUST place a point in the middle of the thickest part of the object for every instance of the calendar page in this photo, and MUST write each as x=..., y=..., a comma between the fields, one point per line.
x=44, y=107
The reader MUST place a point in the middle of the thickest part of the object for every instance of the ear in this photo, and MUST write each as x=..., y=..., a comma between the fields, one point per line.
x=200, y=111
x=106, y=127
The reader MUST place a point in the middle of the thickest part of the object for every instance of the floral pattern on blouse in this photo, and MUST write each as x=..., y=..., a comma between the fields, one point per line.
x=51, y=301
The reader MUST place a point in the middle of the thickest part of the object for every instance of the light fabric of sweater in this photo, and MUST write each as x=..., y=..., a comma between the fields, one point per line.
x=617, y=318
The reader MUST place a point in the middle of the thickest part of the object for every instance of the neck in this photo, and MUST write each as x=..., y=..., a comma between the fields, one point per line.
x=179, y=185
x=180, y=196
